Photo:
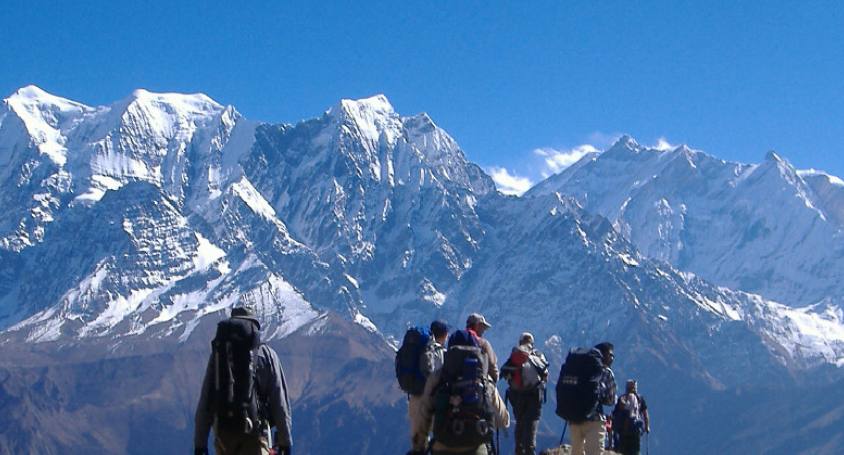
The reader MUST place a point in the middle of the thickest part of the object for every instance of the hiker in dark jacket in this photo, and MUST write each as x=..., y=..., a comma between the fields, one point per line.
x=526, y=371
x=630, y=420
x=588, y=437
x=431, y=362
x=272, y=402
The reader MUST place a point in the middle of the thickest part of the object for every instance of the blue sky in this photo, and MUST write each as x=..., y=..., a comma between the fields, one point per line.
x=732, y=78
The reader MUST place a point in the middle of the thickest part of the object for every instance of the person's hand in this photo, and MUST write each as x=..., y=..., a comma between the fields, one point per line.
x=648, y=429
x=286, y=450
x=200, y=451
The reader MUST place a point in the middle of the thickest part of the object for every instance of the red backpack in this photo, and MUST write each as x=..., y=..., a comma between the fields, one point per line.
x=525, y=370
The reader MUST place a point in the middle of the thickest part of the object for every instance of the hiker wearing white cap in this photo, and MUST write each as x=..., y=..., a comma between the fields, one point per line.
x=476, y=325
x=630, y=420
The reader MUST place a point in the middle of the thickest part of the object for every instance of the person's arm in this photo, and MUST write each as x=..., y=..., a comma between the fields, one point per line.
x=493, y=361
x=279, y=404
x=429, y=361
x=426, y=408
x=608, y=381
x=204, y=415
x=646, y=416
x=502, y=417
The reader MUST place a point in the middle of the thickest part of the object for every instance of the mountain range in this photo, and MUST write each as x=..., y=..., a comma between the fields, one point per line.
x=132, y=228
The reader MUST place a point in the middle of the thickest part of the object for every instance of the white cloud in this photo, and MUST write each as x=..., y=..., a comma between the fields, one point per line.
x=557, y=160
x=509, y=183
x=663, y=145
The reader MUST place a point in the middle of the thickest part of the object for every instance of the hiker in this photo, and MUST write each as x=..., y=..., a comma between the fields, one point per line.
x=631, y=419
x=585, y=386
x=431, y=360
x=244, y=393
x=462, y=400
x=526, y=372
x=477, y=325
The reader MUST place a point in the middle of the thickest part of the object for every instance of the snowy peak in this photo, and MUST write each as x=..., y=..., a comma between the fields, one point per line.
x=32, y=97
x=377, y=105
x=773, y=157
x=367, y=119
x=626, y=142
x=718, y=218
x=188, y=105
x=46, y=118
x=165, y=114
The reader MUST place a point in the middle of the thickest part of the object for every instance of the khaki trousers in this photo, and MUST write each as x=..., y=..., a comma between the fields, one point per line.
x=419, y=428
x=227, y=443
x=587, y=438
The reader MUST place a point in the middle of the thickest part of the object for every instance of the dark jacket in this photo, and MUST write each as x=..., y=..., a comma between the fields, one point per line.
x=272, y=391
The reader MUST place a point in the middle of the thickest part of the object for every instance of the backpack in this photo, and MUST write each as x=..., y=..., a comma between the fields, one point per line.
x=627, y=415
x=463, y=407
x=408, y=360
x=525, y=370
x=578, y=388
x=235, y=395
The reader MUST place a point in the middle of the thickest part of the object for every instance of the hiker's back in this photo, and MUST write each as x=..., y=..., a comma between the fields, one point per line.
x=244, y=392
x=464, y=406
x=235, y=397
x=525, y=370
x=410, y=360
x=579, y=384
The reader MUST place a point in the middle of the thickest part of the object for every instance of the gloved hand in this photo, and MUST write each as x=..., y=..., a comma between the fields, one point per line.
x=200, y=451
x=286, y=450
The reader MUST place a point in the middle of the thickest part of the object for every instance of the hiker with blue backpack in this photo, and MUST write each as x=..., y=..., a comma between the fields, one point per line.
x=421, y=354
x=630, y=420
x=586, y=384
x=526, y=372
x=244, y=393
x=463, y=401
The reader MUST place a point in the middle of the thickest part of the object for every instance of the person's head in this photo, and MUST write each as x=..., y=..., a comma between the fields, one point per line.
x=440, y=331
x=246, y=310
x=607, y=352
x=632, y=386
x=477, y=323
x=461, y=338
x=526, y=339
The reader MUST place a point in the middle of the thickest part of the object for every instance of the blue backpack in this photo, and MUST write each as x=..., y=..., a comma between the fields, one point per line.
x=408, y=359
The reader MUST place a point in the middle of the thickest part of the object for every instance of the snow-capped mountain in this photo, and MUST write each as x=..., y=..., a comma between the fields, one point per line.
x=361, y=211
x=764, y=228
x=142, y=221
x=145, y=207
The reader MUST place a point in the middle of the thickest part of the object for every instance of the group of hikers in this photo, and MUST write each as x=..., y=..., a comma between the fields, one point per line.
x=451, y=385
x=450, y=380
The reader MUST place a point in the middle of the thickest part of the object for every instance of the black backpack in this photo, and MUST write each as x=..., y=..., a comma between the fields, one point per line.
x=463, y=408
x=408, y=358
x=235, y=395
x=578, y=387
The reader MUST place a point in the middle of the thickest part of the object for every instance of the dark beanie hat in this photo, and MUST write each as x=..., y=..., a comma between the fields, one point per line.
x=439, y=328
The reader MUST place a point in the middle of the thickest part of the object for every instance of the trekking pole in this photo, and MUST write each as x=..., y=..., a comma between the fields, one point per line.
x=497, y=442
x=270, y=437
x=648, y=443
x=563, y=436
